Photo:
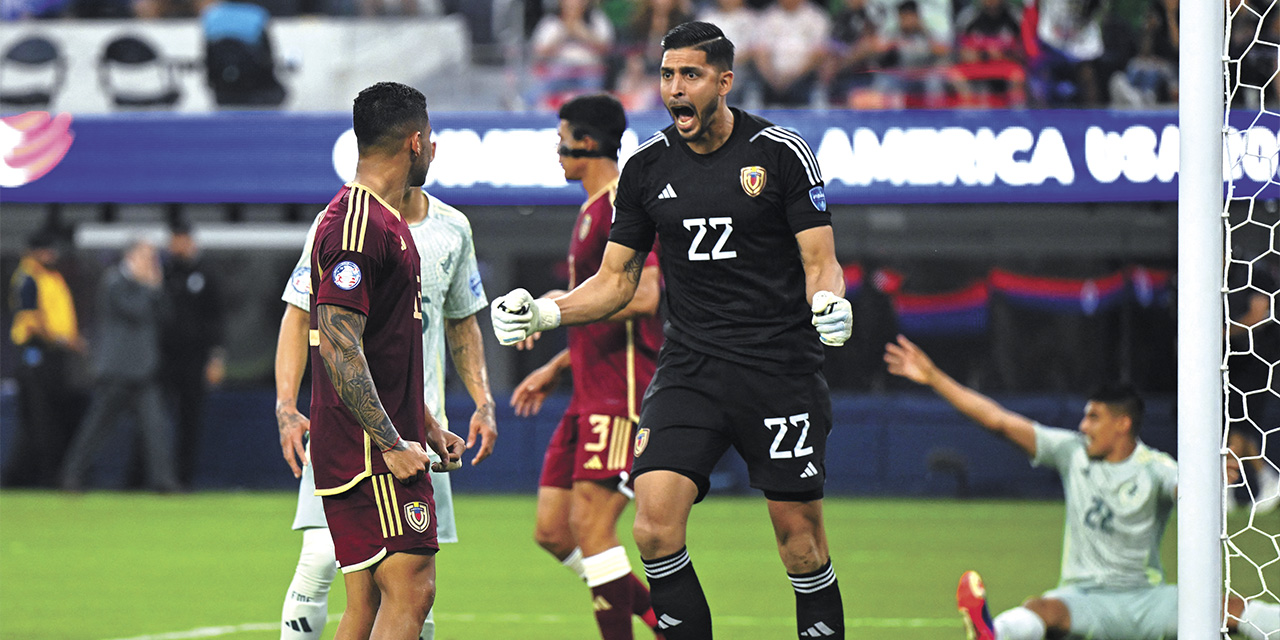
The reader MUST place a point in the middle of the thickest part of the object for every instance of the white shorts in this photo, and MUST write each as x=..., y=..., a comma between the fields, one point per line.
x=1143, y=613
x=310, y=511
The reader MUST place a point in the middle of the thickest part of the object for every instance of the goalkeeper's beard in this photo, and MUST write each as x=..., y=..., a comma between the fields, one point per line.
x=701, y=116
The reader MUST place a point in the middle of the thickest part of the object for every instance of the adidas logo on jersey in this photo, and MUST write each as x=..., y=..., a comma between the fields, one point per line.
x=666, y=622
x=593, y=463
x=667, y=192
x=819, y=630
x=809, y=471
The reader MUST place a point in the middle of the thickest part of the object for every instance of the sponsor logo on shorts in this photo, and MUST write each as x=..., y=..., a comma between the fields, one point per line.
x=346, y=275
x=642, y=440
x=418, y=515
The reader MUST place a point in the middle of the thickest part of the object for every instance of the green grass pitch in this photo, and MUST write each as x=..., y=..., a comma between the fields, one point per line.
x=105, y=566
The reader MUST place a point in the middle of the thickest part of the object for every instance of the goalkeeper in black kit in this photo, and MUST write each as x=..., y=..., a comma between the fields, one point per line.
x=753, y=290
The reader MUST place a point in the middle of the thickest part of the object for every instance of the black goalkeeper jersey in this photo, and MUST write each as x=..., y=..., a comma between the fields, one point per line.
x=727, y=220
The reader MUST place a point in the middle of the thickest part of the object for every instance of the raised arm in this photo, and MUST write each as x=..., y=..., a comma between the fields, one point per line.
x=291, y=362
x=341, y=330
x=644, y=302
x=909, y=361
x=516, y=316
x=607, y=292
x=466, y=348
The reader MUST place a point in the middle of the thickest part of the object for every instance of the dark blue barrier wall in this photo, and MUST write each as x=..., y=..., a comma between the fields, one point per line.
x=893, y=444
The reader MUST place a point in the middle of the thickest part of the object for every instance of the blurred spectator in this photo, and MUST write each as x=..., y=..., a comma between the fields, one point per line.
x=1069, y=40
x=192, y=358
x=12, y=10
x=738, y=22
x=48, y=338
x=991, y=56
x=913, y=61
x=855, y=34
x=1252, y=47
x=1151, y=76
x=164, y=8
x=569, y=49
x=790, y=48
x=641, y=50
x=131, y=308
x=239, y=61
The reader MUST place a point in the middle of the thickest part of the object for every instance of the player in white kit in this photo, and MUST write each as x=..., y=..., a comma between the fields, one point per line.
x=451, y=295
x=1119, y=495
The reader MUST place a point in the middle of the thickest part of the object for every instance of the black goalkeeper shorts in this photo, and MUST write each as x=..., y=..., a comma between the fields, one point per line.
x=698, y=406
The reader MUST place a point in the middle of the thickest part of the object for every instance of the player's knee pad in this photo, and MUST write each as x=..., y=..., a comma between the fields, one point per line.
x=317, y=564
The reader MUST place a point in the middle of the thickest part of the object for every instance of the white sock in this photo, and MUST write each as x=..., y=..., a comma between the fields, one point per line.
x=574, y=563
x=1260, y=620
x=1019, y=623
x=306, y=605
x=429, y=626
x=606, y=566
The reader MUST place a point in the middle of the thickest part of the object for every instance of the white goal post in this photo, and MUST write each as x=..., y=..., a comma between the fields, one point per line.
x=1200, y=317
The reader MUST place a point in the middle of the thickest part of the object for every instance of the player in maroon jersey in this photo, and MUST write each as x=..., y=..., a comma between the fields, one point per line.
x=583, y=491
x=368, y=415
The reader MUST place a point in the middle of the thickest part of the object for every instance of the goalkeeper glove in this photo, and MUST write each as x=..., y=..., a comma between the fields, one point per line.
x=517, y=316
x=833, y=317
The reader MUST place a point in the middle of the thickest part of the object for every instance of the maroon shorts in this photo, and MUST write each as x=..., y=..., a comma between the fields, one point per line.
x=588, y=447
x=378, y=517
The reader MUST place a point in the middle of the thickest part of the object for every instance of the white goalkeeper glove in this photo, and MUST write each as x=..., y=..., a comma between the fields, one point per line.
x=517, y=316
x=833, y=317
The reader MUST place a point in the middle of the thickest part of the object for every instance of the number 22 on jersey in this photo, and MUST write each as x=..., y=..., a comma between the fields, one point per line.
x=699, y=228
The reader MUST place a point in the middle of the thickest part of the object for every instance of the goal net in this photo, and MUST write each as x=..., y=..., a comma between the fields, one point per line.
x=1251, y=375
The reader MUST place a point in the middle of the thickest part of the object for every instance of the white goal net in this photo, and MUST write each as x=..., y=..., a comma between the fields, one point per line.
x=1251, y=375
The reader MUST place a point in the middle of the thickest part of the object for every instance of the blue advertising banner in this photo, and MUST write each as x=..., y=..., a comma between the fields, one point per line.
x=509, y=159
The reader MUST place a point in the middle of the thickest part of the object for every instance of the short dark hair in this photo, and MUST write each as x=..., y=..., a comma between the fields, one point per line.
x=910, y=6
x=1122, y=399
x=600, y=116
x=703, y=36
x=386, y=111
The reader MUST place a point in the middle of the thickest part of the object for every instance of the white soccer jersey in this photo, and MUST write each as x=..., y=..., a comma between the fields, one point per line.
x=451, y=288
x=1116, y=511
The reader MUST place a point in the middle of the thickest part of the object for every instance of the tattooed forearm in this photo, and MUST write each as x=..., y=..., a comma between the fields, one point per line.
x=466, y=347
x=634, y=266
x=340, y=333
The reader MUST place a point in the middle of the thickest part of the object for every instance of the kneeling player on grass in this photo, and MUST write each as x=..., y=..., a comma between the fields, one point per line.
x=1119, y=493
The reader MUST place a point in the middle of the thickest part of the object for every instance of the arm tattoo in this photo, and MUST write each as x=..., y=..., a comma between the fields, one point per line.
x=634, y=266
x=340, y=333
x=466, y=348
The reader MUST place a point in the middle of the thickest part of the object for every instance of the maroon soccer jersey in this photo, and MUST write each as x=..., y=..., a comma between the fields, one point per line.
x=612, y=361
x=364, y=259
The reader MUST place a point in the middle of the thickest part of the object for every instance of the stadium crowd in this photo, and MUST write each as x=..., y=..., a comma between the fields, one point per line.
x=864, y=54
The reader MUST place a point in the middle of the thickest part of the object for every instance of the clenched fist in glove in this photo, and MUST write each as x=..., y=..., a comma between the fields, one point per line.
x=517, y=316
x=833, y=317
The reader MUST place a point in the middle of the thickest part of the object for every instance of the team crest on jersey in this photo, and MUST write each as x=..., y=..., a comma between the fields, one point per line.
x=301, y=280
x=753, y=179
x=403, y=246
x=346, y=275
x=642, y=440
x=818, y=197
x=418, y=515
x=584, y=228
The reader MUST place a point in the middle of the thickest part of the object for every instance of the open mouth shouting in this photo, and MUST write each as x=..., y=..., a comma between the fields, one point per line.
x=685, y=117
